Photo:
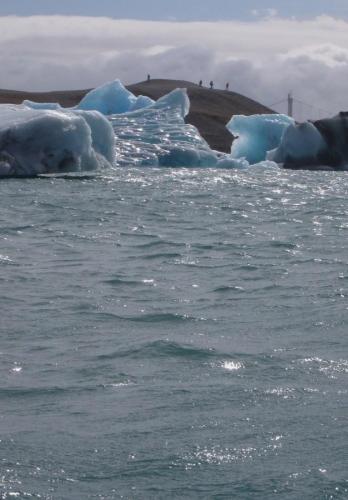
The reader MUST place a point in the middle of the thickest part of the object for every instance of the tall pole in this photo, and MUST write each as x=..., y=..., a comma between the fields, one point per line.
x=290, y=104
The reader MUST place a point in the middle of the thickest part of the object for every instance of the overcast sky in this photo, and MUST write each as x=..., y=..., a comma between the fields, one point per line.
x=262, y=49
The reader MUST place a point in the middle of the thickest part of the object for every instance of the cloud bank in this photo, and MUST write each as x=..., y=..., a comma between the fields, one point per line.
x=264, y=59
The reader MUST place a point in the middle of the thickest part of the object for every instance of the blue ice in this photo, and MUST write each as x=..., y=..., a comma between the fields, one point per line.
x=255, y=135
x=111, y=128
x=113, y=98
x=159, y=136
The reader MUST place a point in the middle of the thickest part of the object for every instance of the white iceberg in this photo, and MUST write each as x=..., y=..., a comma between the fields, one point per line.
x=37, y=141
x=41, y=105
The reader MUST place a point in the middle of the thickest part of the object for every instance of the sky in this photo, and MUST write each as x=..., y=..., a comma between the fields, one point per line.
x=263, y=48
x=180, y=10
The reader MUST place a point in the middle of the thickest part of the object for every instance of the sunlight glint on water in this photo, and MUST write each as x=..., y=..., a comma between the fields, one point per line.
x=174, y=334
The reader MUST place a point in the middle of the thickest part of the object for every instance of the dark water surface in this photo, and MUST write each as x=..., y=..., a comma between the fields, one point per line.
x=174, y=334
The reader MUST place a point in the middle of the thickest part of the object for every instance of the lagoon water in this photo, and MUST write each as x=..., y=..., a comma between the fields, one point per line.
x=174, y=333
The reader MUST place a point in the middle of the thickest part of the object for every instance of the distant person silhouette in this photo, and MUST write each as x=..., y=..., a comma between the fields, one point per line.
x=227, y=86
x=200, y=83
x=148, y=78
x=211, y=84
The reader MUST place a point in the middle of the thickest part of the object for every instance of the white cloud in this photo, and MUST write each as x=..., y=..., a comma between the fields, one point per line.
x=264, y=13
x=263, y=59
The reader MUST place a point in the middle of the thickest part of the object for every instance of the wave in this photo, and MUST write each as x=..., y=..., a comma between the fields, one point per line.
x=157, y=243
x=166, y=317
x=42, y=392
x=121, y=281
x=162, y=348
x=229, y=288
x=161, y=255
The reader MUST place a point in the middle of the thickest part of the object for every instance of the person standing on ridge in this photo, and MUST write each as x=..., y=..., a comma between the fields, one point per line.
x=200, y=83
x=148, y=78
x=227, y=86
x=211, y=84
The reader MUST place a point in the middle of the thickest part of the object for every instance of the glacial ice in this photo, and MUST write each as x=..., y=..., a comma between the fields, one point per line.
x=256, y=135
x=110, y=98
x=36, y=141
x=142, y=101
x=38, y=138
x=321, y=143
x=113, y=98
x=299, y=143
x=41, y=105
x=158, y=136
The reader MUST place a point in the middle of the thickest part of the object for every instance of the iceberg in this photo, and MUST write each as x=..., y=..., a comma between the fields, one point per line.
x=142, y=101
x=159, y=136
x=320, y=143
x=38, y=141
x=300, y=144
x=111, y=128
x=110, y=98
x=39, y=138
x=41, y=105
x=279, y=139
x=255, y=135
x=113, y=98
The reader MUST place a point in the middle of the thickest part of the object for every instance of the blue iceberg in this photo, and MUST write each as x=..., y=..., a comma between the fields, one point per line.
x=277, y=138
x=113, y=98
x=255, y=135
x=158, y=136
x=109, y=99
x=113, y=128
x=149, y=133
